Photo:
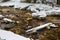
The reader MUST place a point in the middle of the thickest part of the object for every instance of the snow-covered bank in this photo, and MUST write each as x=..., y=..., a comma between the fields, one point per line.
x=44, y=9
x=16, y=0
x=16, y=4
x=11, y=36
x=19, y=4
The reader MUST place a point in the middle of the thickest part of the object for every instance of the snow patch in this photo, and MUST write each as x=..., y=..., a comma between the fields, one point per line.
x=1, y=16
x=6, y=19
x=11, y=36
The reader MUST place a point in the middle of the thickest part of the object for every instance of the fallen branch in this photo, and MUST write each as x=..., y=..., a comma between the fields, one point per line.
x=41, y=27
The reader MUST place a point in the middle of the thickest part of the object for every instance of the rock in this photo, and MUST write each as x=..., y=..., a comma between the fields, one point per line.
x=29, y=27
x=17, y=22
x=48, y=27
x=1, y=16
x=9, y=25
x=1, y=0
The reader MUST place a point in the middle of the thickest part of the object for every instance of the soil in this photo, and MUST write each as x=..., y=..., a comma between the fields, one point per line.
x=23, y=19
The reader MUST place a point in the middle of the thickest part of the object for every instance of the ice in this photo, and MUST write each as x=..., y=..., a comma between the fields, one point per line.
x=11, y=36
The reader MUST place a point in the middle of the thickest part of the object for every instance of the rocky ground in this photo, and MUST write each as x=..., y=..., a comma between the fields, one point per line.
x=23, y=21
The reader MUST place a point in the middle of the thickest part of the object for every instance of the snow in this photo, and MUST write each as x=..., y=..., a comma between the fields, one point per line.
x=16, y=4
x=54, y=10
x=21, y=5
x=53, y=25
x=1, y=16
x=42, y=14
x=35, y=14
x=15, y=0
x=6, y=19
x=6, y=3
x=44, y=9
x=11, y=36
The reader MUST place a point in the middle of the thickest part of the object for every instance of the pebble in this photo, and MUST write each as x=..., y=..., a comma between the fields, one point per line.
x=48, y=27
x=17, y=22
x=29, y=18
